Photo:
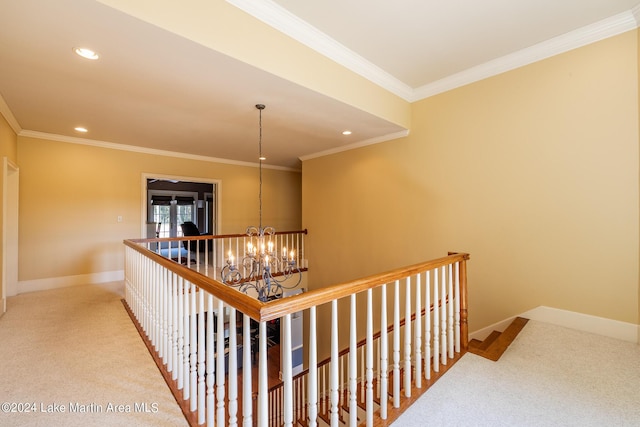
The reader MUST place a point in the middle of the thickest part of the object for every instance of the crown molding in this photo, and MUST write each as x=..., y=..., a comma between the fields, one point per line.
x=600, y=30
x=5, y=111
x=144, y=150
x=636, y=14
x=371, y=141
x=284, y=21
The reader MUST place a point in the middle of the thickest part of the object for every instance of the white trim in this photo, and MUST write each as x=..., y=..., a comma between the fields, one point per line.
x=10, y=216
x=636, y=13
x=601, y=30
x=570, y=319
x=284, y=21
x=68, y=281
x=371, y=141
x=144, y=150
x=287, y=23
x=585, y=322
x=8, y=116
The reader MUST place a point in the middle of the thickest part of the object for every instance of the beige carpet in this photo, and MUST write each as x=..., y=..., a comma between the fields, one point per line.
x=549, y=376
x=75, y=350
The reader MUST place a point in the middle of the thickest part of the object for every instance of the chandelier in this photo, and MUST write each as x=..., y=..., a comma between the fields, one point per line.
x=263, y=268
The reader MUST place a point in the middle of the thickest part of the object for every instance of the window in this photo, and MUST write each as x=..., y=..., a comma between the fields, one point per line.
x=170, y=209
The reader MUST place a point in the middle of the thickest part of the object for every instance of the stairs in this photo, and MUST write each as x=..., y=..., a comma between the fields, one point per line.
x=497, y=343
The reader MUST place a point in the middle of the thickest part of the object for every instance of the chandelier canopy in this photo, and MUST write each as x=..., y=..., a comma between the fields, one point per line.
x=264, y=268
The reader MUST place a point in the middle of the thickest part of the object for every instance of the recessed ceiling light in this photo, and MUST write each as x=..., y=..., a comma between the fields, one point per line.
x=86, y=53
x=263, y=158
x=346, y=132
x=81, y=129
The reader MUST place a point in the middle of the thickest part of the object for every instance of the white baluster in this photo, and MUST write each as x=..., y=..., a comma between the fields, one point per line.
x=166, y=317
x=193, y=331
x=287, y=372
x=369, y=359
x=313, y=369
x=263, y=379
x=436, y=323
x=341, y=382
x=396, y=345
x=157, y=309
x=457, y=308
x=247, y=385
x=168, y=349
x=210, y=361
x=378, y=367
x=186, y=391
x=418, y=332
x=450, y=312
x=180, y=324
x=353, y=364
x=335, y=394
x=141, y=293
x=407, y=338
x=220, y=351
x=145, y=297
x=443, y=320
x=323, y=388
x=362, y=375
x=233, y=369
x=384, y=354
x=154, y=289
x=174, y=323
x=201, y=359
x=427, y=325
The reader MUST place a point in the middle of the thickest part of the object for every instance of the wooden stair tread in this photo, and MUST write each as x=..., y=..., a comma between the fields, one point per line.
x=499, y=344
x=482, y=345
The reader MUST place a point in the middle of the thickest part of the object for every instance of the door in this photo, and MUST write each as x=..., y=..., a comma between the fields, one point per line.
x=170, y=210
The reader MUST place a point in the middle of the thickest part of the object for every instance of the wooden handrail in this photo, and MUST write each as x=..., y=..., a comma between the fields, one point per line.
x=278, y=308
x=240, y=301
x=271, y=310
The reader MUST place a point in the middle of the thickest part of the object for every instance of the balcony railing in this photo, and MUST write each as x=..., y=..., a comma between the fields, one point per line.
x=401, y=328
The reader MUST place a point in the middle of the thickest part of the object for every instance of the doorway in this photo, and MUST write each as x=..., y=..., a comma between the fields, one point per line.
x=10, y=188
x=171, y=201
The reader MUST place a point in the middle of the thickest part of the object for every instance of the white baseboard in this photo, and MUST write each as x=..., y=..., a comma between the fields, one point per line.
x=67, y=281
x=570, y=319
x=585, y=322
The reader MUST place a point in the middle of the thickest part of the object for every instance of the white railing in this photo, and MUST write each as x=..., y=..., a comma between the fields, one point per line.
x=180, y=311
x=379, y=365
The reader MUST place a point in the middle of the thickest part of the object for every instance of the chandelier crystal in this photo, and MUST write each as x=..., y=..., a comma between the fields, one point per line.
x=263, y=268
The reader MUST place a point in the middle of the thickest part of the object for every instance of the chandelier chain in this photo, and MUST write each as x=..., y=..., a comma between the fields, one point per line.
x=260, y=107
x=264, y=267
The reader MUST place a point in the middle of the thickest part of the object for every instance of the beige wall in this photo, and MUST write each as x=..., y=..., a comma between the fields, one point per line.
x=71, y=196
x=533, y=172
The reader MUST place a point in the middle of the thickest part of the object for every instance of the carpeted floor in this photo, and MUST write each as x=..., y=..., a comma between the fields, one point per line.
x=76, y=350
x=549, y=376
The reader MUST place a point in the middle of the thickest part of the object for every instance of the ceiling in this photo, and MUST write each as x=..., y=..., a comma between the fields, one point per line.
x=156, y=91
